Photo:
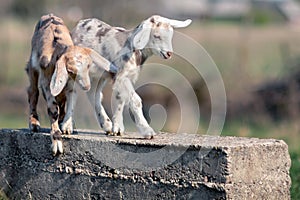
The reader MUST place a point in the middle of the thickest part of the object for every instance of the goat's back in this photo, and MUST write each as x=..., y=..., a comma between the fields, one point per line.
x=108, y=41
x=50, y=31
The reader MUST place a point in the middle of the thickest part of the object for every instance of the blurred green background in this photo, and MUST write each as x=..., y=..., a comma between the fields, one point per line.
x=255, y=44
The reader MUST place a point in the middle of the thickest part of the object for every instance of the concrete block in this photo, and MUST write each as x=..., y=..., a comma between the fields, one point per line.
x=171, y=166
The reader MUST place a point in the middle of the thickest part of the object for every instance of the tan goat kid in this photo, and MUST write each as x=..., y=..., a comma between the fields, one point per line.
x=55, y=65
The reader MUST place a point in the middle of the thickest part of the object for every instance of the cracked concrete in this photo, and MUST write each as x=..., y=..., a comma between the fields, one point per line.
x=171, y=166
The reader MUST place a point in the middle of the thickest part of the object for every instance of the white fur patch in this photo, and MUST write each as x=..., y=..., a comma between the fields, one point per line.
x=34, y=61
x=60, y=147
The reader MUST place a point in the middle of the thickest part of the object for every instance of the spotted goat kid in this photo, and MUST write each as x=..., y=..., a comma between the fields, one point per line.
x=55, y=64
x=127, y=49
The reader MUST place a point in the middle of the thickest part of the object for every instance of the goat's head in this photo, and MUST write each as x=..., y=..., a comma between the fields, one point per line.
x=156, y=33
x=75, y=63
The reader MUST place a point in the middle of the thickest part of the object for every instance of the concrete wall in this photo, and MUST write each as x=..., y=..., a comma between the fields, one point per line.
x=171, y=166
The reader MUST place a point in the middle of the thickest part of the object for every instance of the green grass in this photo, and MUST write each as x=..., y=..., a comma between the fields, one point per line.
x=13, y=121
x=263, y=16
x=295, y=175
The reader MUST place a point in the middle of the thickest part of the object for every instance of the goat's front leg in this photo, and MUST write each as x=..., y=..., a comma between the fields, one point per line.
x=53, y=112
x=56, y=139
x=95, y=96
x=102, y=117
x=67, y=124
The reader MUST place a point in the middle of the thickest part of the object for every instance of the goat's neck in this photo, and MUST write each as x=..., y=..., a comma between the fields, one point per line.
x=141, y=54
x=144, y=54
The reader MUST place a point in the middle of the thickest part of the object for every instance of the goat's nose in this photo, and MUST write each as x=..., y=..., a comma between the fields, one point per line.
x=169, y=53
x=86, y=87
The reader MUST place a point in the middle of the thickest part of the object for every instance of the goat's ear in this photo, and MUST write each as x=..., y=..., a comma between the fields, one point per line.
x=142, y=36
x=101, y=62
x=59, y=77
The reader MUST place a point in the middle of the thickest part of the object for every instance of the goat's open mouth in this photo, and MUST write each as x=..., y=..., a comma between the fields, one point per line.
x=166, y=54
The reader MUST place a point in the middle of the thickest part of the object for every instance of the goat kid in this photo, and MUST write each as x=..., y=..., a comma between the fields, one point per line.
x=127, y=49
x=54, y=65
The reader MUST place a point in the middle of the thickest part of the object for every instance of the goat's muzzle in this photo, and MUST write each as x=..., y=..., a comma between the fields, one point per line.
x=166, y=54
x=169, y=53
x=86, y=87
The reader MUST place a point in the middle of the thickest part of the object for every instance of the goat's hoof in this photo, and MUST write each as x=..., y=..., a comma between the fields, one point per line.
x=119, y=134
x=67, y=131
x=107, y=126
x=57, y=145
x=109, y=133
x=34, y=124
x=149, y=137
x=67, y=128
x=118, y=130
x=148, y=133
x=34, y=128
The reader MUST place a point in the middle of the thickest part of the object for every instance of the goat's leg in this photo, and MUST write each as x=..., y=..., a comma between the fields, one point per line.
x=62, y=112
x=95, y=96
x=120, y=96
x=67, y=124
x=53, y=112
x=101, y=114
x=33, y=96
x=124, y=93
x=56, y=139
x=135, y=106
x=118, y=107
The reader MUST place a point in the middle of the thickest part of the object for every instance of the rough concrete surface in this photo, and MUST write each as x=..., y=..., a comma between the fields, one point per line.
x=170, y=166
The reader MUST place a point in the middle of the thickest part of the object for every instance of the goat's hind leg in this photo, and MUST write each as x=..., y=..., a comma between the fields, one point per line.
x=141, y=123
x=33, y=96
x=135, y=106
